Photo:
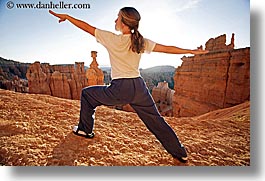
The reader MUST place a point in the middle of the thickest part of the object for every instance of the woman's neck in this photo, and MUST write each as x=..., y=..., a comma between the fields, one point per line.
x=125, y=30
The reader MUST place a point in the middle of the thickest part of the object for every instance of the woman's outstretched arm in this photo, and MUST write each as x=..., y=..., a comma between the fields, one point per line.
x=176, y=50
x=78, y=23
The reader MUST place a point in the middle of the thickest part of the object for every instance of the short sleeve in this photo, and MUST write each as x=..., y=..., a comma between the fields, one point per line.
x=149, y=45
x=104, y=37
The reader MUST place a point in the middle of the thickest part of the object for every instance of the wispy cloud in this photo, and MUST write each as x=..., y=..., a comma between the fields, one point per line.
x=186, y=5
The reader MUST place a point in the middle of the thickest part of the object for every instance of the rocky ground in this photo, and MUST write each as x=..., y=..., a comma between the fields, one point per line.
x=36, y=130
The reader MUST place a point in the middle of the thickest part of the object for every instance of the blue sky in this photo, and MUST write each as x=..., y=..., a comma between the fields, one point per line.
x=29, y=35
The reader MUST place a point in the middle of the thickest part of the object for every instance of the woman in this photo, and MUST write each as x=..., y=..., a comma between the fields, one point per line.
x=127, y=86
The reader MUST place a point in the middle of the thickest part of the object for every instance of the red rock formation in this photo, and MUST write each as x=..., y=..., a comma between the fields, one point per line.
x=59, y=85
x=95, y=76
x=212, y=81
x=37, y=79
x=78, y=80
x=65, y=81
x=162, y=96
x=16, y=84
x=219, y=43
x=238, y=81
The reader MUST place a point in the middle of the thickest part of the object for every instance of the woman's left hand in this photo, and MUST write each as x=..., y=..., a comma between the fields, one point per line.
x=199, y=51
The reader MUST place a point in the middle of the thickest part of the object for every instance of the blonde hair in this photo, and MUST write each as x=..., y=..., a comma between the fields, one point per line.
x=131, y=17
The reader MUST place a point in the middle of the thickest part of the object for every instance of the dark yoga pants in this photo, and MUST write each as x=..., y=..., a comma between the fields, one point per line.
x=131, y=91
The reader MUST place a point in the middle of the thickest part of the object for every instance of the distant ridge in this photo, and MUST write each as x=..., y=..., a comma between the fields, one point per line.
x=152, y=75
x=11, y=68
x=156, y=69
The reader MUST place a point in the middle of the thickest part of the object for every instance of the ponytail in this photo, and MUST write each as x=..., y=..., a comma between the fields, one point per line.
x=137, y=42
x=131, y=18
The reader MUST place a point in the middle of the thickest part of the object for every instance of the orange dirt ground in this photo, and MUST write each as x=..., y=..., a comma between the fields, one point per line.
x=36, y=130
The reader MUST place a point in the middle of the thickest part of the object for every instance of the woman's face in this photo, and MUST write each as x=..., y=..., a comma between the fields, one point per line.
x=118, y=23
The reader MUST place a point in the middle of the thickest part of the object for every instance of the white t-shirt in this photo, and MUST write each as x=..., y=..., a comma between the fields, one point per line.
x=124, y=62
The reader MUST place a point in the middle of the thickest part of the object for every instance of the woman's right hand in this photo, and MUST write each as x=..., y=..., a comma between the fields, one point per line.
x=62, y=17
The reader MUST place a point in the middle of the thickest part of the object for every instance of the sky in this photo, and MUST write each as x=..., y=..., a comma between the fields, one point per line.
x=29, y=35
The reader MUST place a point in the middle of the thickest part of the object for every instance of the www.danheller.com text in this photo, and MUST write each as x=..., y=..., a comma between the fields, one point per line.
x=50, y=5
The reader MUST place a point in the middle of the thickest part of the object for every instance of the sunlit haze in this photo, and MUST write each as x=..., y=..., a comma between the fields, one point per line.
x=29, y=35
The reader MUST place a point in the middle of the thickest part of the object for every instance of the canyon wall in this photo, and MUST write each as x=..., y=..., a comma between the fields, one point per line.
x=218, y=79
x=162, y=96
x=65, y=81
x=13, y=75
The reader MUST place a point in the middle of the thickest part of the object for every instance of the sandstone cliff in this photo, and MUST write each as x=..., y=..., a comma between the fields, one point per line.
x=65, y=81
x=95, y=76
x=162, y=96
x=13, y=75
x=36, y=130
x=218, y=79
